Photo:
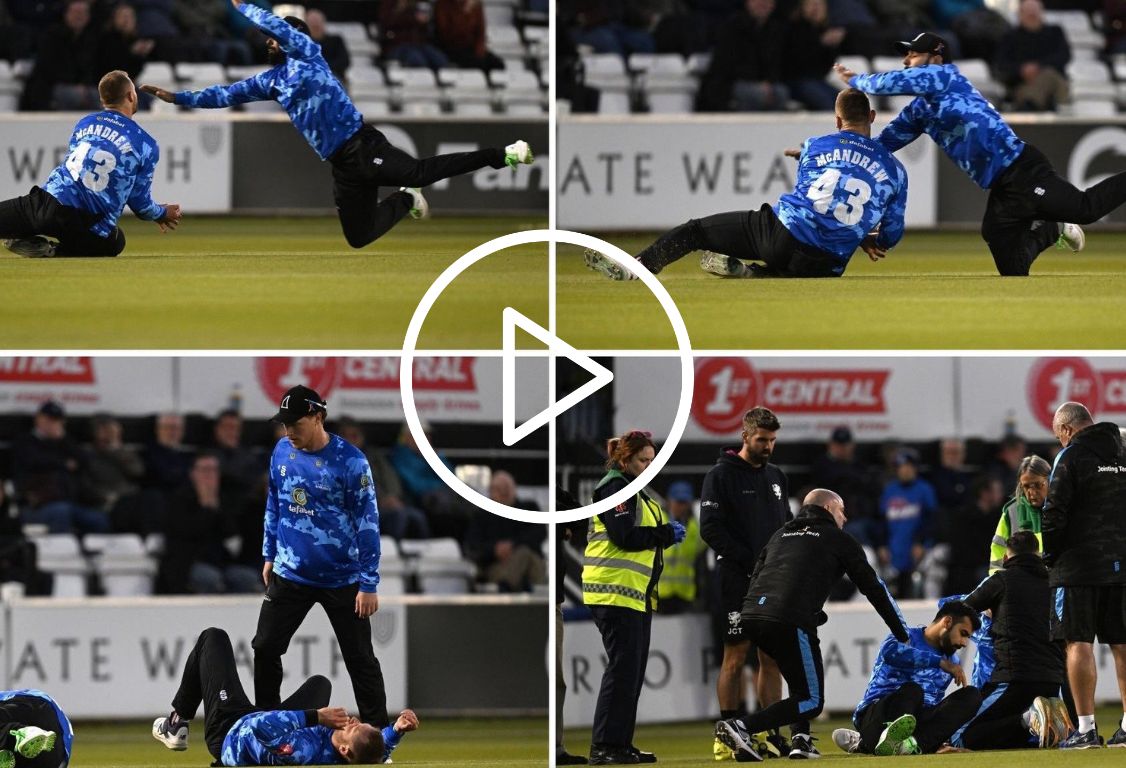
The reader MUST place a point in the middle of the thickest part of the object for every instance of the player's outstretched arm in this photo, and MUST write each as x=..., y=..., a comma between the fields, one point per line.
x=914, y=81
x=295, y=43
x=844, y=73
x=171, y=218
x=160, y=93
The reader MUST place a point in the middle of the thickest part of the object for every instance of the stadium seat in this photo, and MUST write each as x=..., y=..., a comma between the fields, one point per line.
x=356, y=39
x=466, y=87
x=698, y=63
x=504, y=41
x=497, y=15
x=1077, y=29
x=395, y=573
x=367, y=83
x=60, y=555
x=977, y=72
x=607, y=73
x=1090, y=80
x=238, y=73
x=473, y=108
x=421, y=107
x=122, y=563
x=10, y=88
x=160, y=73
x=373, y=108
x=1093, y=108
x=536, y=38
x=518, y=86
x=197, y=75
x=414, y=83
x=439, y=566
x=665, y=81
x=525, y=110
x=886, y=64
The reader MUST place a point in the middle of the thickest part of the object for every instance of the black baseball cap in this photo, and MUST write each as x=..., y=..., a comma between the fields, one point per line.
x=298, y=24
x=297, y=402
x=841, y=434
x=52, y=409
x=926, y=42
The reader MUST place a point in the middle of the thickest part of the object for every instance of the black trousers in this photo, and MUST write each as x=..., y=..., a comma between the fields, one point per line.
x=367, y=161
x=20, y=711
x=625, y=637
x=934, y=725
x=284, y=607
x=745, y=235
x=211, y=678
x=997, y=724
x=38, y=213
x=798, y=656
x=1029, y=193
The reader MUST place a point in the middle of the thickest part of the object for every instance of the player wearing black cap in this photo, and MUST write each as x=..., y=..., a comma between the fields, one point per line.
x=320, y=545
x=1030, y=206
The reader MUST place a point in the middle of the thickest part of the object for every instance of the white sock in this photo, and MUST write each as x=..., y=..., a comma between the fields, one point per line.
x=1123, y=723
x=1086, y=723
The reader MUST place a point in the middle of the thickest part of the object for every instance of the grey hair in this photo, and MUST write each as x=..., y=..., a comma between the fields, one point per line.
x=1036, y=466
x=1072, y=413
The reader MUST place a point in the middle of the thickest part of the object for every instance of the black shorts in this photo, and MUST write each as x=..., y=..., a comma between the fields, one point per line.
x=1090, y=612
x=733, y=585
x=761, y=236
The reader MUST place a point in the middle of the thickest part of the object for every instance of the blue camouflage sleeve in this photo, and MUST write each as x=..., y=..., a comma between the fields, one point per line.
x=902, y=655
x=892, y=223
x=362, y=502
x=271, y=728
x=140, y=197
x=270, y=522
x=255, y=88
x=905, y=128
x=913, y=81
x=294, y=42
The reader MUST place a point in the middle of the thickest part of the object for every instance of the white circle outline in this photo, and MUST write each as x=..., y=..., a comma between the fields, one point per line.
x=623, y=259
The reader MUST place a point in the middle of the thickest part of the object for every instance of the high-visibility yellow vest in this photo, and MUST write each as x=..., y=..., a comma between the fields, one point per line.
x=678, y=576
x=615, y=576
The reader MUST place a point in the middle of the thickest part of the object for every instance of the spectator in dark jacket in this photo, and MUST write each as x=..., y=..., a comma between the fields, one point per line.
x=612, y=26
x=405, y=34
x=969, y=530
x=745, y=74
x=951, y=479
x=507, y=552
x=854, y=481
x=65, y=74
x=459, y=30
x=332, y=46
x=1032, y=59
x=814, y=46
x=119, y=46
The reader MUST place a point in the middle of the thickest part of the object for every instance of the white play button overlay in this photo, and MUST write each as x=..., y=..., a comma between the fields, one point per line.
x=556, y=348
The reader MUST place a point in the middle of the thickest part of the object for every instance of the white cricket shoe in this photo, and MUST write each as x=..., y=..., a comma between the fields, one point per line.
x=37, y=247
x=847, y=740
x=607, y=266
x=1072, y=237
x=518, y=153
x=175, y=739
x=420, y=209
x=723, y=265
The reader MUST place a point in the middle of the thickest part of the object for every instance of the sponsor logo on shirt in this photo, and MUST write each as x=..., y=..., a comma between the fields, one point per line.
x=802, y=532
x=777, y=490
x=301, y=499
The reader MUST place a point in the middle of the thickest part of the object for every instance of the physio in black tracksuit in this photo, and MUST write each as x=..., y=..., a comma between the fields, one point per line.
x=785, y=605
x=1029, y=663
x=1084, y=531
x=745, y=499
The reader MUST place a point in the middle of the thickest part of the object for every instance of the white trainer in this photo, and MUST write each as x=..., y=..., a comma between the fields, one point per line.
x=607, y=266
x=847, y=740
x=36, y=247
x=518, y=153
x=1071, y=236
x=176, y=740
x=420, y=209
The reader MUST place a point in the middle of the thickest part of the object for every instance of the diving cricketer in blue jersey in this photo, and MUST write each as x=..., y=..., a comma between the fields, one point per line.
x=847, y=186
x=905, y=709
x=1030, y=206
x=109, y=164
x=320, y=545
x=362, y=159
x=302, y=730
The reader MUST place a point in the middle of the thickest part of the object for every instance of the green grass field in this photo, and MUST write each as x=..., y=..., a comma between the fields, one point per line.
x=284, y=283
x=508, y=743
x=691, y=744
x=934, y=291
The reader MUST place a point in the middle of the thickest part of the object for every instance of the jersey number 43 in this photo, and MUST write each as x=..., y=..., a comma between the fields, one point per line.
x=848, y=212
x=96, y=178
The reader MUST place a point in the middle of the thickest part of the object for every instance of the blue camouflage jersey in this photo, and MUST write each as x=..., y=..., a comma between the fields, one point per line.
x=898, y=663
x=984, y=658
x=67, y=732
x=110, y=163
x=322, y=524
x=285, y=738
x=953, y=113
x=304, y=85
x=846, y=185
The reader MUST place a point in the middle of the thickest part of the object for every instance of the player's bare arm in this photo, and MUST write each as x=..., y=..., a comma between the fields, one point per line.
x=333, y=717
x=868, y=245
x=367, y=603
x=955, y=670
x=171, y=218
x=844, y=72
x=159, y=93
x=794, y=153
x=407, y=721
x=236, y=3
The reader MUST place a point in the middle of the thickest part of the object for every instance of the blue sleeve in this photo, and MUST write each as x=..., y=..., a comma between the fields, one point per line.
x=270, y=523
x=905, y=128
x=364, y=507
x=140, y=198
x=255, y=88
x=295, y=43
x=270, y=728
x=913, y=81
x=892, y=223
x=904, y=656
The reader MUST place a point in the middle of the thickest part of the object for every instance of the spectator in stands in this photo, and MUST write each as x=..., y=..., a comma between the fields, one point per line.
x=112, y=474
x=612, y=26
x=18, y=556
x=156, y=21
x=951, y=479
x=459, y=30
x=65, y=75
x=854, y=483
x=332, y=46
x=907, y=507
x=207, y=21
x=241, y=28
x=15, y=42
x=1006, y=465
x=507, y=552
x=1032, y=59
x=167, y=459
x=978, y=29
x=405, y=34
x=684, y=562
x=1114, y=25
x=240, y=467
x=397, y=519
x=47, y=469
x=199, y=522
x=447, y=512
x=969, y=531
x=119, y=46
x=745, y=74
x=819, y=45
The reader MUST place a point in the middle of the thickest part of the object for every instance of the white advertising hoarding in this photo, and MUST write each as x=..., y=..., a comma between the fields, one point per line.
x=680, y=676
x=86, y=385
x=657, y=172
x=124, y=657
x=194, y=168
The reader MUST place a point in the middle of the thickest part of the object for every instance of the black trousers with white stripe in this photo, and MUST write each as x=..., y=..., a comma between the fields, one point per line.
x=798, y=656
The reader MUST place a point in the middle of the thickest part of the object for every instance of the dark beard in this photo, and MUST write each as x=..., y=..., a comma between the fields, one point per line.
x=275, y=57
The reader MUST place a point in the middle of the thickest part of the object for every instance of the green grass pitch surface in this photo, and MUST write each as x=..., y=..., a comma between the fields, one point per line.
x=507, y=743
x=936, y=290
x=274, y=283
x=691, y=744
